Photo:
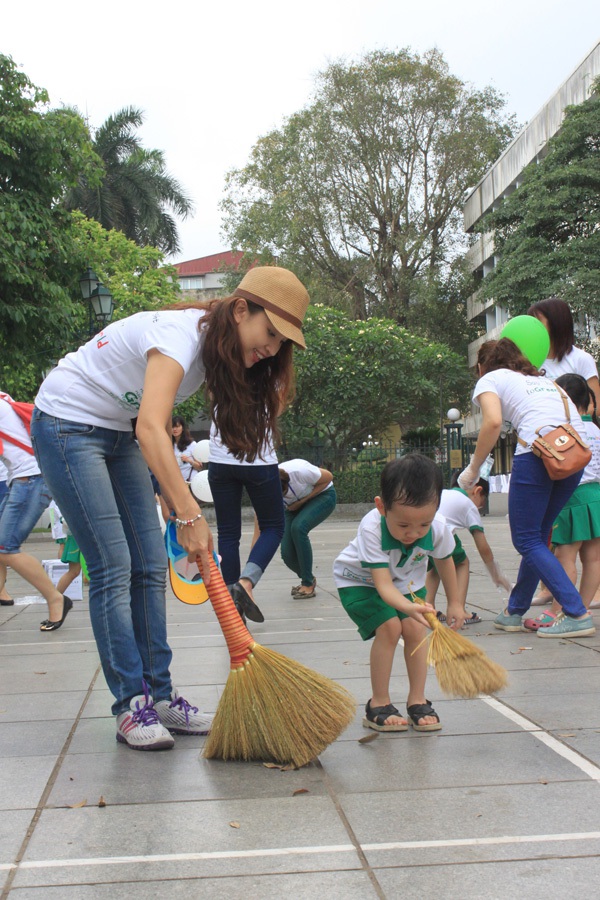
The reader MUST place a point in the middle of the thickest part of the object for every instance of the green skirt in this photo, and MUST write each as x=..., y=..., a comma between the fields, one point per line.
x=70, y=552
x=579, y=520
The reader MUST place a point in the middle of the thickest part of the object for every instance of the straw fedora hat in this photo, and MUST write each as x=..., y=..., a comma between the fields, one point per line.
x=282, y=296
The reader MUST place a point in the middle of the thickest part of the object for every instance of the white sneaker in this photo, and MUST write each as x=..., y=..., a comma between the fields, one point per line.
x=140, y=728
x=180, y=717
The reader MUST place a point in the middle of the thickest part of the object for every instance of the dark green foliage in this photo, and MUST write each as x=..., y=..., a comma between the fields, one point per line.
x=546, y=232
x=42, y=153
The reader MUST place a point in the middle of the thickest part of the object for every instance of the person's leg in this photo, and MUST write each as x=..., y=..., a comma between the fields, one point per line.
x=534, y=501
x=5, y=597
x=69, y=577
x=264, y=489
x=590, y=572
x=383, y=650
x=134, y=496
x=288, y=548
x=308, y=517
x=227, y=497
x=26, y=501
x=74, y=459
x=415, y=657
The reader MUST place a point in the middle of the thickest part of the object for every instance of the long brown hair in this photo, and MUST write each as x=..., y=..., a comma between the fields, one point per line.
x=560, y=324
x=504, y=354
x=244, y=402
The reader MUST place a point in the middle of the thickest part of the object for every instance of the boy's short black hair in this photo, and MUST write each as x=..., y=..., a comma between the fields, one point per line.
x=483, y=483
x=413, y=480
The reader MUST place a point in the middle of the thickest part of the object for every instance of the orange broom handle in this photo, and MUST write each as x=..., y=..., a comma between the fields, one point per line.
x=239, y=640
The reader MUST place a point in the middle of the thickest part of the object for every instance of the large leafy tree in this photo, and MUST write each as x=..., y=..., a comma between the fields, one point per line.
x=43, y=152
x=357, y=377
x=361, y=192
x=547, y=233
x=136, y=194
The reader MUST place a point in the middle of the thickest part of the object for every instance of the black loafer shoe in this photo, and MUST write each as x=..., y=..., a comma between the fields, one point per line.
x=244, y=603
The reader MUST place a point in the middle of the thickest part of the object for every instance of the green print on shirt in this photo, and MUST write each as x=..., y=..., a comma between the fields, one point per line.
x=542, y=389
x=132, y=399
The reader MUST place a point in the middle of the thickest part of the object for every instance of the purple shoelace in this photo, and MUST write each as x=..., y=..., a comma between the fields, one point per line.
x=182, y=704
x=146, y=714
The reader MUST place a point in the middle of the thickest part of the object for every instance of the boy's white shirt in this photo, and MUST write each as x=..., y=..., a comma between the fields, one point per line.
x=528, y=402
x=459, y=511
x=102, y=383
x=374, y=547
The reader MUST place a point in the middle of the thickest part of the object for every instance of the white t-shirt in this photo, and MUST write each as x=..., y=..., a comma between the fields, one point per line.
x=303, y=477
x=576, y=360
x=459, y=511
x=218, y=452
x=3, y=472
x=375, y=548
x=592, y=437
x=102, y=383
x=528, y=402
x=186, y=468
x=19, y=463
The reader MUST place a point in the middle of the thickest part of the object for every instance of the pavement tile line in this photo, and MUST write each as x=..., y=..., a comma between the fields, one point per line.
x=576, y=759
x=14, y=867
x=300, y=851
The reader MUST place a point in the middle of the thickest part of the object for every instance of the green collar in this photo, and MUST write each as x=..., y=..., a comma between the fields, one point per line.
x=460, y=490
x=586, y=418
x=391, y=543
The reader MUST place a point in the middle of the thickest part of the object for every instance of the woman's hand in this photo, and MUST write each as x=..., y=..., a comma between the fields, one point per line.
x=197, y=539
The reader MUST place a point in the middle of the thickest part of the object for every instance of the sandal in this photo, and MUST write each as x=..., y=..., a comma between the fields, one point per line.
x=544, y=620
x=296, y=590
x=48, y=625
x=376, y=717
x=473, y=619
x=418, y=711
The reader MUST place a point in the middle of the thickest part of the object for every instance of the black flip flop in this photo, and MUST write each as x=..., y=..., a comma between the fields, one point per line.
x=48, y=625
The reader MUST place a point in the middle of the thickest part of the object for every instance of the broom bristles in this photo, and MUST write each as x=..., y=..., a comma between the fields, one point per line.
x=461, y=667
x=272, y=708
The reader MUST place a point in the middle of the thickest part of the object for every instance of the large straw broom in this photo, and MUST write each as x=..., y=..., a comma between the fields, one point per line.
x=272, y=708
x=461, y=667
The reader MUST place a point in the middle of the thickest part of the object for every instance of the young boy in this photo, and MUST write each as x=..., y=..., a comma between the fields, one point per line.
x=461, y=509
x=374, y=575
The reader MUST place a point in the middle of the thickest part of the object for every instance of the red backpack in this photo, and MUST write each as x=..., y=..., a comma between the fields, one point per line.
x=24, y=412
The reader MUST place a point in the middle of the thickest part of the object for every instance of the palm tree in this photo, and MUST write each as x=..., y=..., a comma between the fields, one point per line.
x=136, y=194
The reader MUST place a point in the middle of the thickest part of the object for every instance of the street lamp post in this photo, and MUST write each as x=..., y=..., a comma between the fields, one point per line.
x=99, y=300
x=454, y=442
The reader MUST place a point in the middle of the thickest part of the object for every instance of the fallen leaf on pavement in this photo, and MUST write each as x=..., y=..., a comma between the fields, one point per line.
x=368, y=738
x=101, y=802
x=234, y=824
x=78, y=805
x=301, y=791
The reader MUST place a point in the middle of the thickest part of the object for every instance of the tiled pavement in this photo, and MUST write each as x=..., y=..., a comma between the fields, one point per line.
x=504, y=802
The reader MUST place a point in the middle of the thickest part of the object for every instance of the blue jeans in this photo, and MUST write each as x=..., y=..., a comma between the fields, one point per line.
x=102, y=485
x=534, y=501
x=296, y=549
x=264, y=489
x=26, y=500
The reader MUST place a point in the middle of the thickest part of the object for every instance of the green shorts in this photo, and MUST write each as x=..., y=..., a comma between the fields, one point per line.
x=368, y=611
x=458, y=555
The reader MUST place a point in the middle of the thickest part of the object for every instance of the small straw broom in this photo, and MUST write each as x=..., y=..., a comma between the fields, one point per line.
x=461, y=667
x=272, y=708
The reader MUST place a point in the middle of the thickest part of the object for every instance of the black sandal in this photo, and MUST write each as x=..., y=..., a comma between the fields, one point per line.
x=417, y=711
x=48, y=625
x=376, y=716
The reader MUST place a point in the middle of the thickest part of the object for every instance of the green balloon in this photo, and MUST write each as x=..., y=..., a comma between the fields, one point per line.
x=530, y=336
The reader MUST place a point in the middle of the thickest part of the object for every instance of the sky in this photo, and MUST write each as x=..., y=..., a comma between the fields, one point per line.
x=213, y=78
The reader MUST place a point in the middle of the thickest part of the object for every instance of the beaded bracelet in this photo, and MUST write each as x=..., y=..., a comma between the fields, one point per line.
x=180, y=523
